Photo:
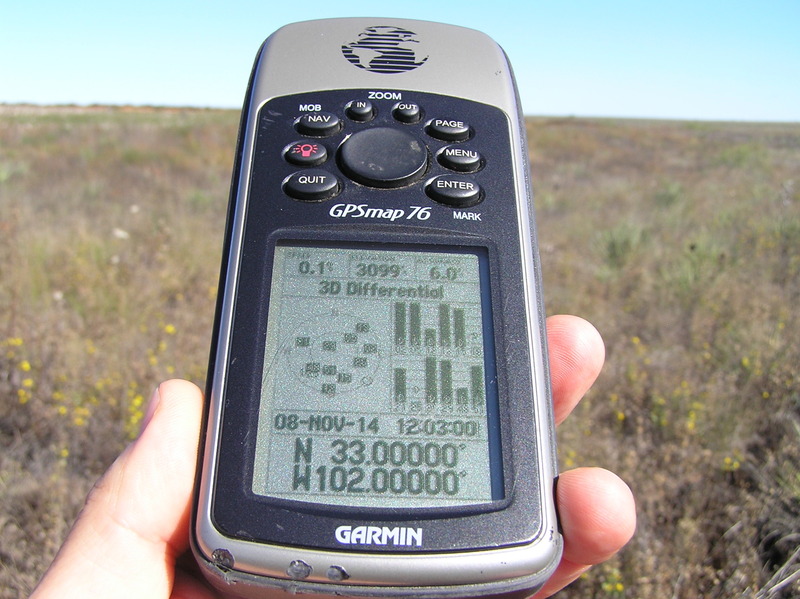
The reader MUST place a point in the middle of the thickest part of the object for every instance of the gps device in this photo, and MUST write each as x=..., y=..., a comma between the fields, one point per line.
x=378, y=418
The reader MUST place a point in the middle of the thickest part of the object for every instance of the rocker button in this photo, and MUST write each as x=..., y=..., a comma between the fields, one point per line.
x=455, y=191
x=318, y=124
x=383, y=157
x=311, y=185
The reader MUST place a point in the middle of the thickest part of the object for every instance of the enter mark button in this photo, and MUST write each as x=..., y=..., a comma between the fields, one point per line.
x=453, y=190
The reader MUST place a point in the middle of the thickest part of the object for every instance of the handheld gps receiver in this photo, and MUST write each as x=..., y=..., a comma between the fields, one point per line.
x=379, y=419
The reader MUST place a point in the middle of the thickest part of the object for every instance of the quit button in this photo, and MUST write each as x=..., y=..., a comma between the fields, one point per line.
x=311, y=185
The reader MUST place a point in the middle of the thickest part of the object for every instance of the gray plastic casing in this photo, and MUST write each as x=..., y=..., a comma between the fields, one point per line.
x=306, y=57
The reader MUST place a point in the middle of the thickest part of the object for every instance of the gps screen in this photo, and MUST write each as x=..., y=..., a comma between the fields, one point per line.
x=378, y=385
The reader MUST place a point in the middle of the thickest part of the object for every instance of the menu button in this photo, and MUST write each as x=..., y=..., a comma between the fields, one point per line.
x=464, y=160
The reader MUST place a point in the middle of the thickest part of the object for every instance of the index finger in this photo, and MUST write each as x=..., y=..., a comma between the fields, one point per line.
x=576, y=354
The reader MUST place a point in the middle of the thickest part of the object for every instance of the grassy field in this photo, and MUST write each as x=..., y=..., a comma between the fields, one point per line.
x=680, y=241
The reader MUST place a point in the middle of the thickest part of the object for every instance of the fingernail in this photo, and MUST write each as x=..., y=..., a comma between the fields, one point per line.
x=152, y=405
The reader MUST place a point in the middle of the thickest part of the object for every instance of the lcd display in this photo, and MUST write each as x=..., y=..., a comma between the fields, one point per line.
x=379, y=386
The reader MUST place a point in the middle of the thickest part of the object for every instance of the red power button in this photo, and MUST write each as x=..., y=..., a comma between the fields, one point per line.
x=305, y=153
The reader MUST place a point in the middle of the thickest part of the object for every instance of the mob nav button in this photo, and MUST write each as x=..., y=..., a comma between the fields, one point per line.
x=311, y=185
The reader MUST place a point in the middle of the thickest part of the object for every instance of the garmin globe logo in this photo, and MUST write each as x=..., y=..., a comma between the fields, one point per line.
x=384, y=49
x=399, y=536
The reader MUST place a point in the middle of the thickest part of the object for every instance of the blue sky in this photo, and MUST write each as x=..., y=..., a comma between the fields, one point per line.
x=709, y=60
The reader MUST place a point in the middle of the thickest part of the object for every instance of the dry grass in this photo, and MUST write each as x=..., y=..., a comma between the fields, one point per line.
x=111, y=223
x=680, y=241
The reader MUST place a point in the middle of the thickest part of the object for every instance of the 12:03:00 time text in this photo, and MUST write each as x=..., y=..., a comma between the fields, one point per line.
x=436, y=427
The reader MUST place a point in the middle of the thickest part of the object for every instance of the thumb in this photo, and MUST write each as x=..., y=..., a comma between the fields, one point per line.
x=136, y=520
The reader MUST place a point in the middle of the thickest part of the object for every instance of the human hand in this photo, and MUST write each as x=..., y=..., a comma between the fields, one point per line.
x=130, y=537
x=596, y=508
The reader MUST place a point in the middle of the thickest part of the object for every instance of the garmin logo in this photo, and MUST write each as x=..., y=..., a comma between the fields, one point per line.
x=385, y=49
x=399, y=536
